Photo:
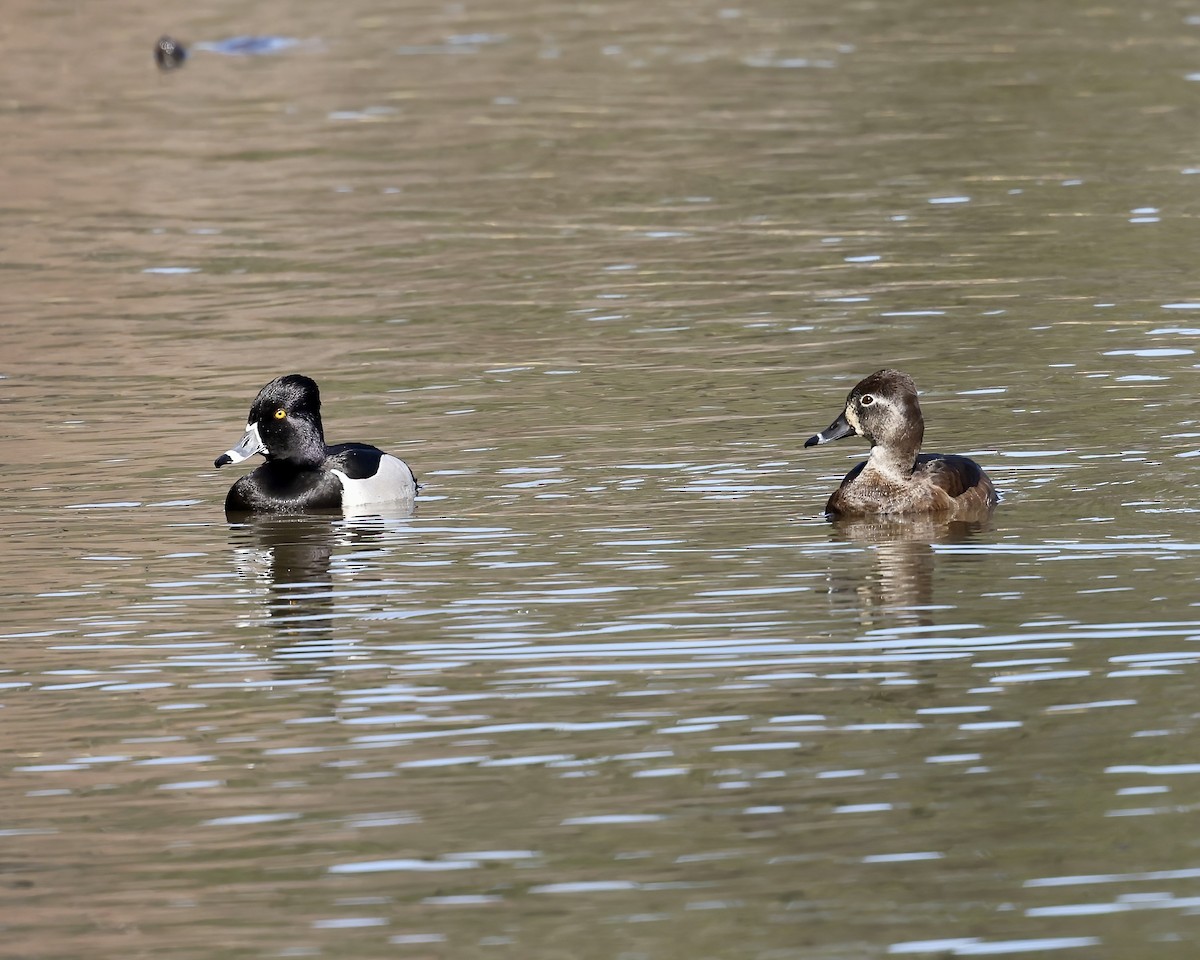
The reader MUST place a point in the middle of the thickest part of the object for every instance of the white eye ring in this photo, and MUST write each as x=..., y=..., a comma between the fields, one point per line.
x=866, y=400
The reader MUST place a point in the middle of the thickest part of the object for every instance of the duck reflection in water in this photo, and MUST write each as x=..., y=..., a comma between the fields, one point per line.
x=296, y=557
x=898, y=578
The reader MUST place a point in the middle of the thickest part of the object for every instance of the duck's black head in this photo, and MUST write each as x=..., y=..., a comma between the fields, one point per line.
x=284, y=424
x=287, y=412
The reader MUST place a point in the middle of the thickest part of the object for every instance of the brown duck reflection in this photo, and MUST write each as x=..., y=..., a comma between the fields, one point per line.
x=898, y=579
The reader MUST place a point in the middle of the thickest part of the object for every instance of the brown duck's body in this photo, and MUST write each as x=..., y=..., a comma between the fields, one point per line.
x=940, y=483
x=897, y=479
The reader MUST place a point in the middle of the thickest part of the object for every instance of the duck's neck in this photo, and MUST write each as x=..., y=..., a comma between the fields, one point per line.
x=310, y=454
x=305, y=448
x=892, y=462
x=898, y=456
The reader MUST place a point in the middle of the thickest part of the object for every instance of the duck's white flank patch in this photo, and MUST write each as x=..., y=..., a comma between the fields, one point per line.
x=393, y=482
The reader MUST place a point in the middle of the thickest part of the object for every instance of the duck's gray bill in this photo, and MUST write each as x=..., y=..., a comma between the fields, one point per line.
x=835, y=431
x=247, y=447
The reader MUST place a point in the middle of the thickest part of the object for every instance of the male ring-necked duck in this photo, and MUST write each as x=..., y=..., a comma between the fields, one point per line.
x=897, y=478
x=303, y=474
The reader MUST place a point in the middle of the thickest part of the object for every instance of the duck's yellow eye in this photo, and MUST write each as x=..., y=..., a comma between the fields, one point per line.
x=280, y=413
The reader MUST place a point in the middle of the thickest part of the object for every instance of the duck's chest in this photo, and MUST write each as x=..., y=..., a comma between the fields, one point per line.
x=278, y=487
x=870, y=491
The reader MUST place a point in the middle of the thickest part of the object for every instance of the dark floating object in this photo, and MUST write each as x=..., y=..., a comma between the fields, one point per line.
x=169, y=53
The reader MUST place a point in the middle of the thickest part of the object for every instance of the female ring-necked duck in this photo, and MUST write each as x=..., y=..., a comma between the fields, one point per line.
x=303, y=474
x=897, y=478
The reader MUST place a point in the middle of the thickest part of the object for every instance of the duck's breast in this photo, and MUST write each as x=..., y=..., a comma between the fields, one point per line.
x=280, y=487
x=940, y=484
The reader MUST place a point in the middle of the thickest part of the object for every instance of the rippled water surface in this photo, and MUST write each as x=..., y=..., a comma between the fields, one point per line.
x=615, y=689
